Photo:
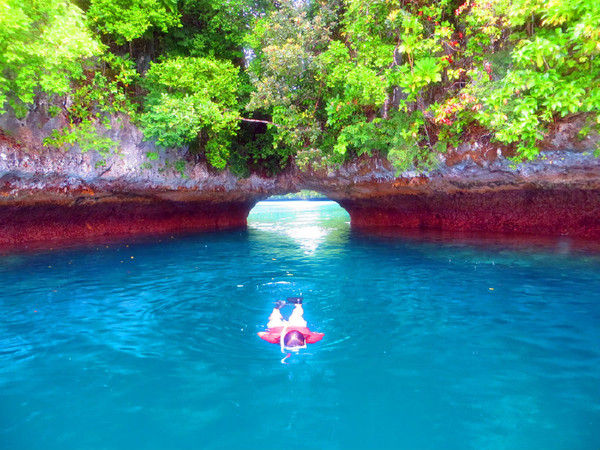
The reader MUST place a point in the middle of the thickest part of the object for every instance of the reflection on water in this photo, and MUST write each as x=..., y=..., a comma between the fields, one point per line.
x=431, y=340
x=308, y=223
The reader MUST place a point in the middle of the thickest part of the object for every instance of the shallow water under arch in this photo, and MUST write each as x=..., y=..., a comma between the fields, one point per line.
x=431, y=340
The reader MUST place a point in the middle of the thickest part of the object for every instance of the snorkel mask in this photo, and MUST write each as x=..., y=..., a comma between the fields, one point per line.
x=292, y=341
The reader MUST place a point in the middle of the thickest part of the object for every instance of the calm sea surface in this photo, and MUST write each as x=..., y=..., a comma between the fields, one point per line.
x=431, y=341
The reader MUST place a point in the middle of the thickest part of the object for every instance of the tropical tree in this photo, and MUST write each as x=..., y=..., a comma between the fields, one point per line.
x=260, y=84
x=43, y=46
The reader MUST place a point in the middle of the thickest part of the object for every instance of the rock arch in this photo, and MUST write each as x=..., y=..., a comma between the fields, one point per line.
x=49, y=194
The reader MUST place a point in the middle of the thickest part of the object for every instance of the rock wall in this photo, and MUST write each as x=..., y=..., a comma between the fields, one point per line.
x=49, y=194
x=557, y=195
x=478, y=188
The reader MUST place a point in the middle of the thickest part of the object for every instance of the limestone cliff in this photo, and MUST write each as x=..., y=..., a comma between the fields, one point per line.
x=48, y=194
x=477, y=188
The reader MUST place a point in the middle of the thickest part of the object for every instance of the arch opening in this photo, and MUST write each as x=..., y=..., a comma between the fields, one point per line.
x=308, y=218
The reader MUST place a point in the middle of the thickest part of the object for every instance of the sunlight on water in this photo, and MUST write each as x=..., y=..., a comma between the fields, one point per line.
x=431, y=340
x=303, y=221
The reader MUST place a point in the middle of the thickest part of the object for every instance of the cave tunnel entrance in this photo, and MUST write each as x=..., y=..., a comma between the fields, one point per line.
x=290, y=206
x=307, y=217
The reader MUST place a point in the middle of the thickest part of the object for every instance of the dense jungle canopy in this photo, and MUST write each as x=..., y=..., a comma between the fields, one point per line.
x=257, y=85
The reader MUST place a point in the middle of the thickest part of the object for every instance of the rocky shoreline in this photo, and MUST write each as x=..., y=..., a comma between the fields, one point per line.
x=50, y=194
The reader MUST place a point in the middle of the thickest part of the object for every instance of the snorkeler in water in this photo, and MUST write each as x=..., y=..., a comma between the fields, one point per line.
x=292, y=334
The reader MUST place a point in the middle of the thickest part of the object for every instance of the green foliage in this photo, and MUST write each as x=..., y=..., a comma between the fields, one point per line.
x=424, y=72
x=180, y=167
x=86, y=135
x=126, y=20
x=253, y=150
x=42, y=46
x=555, y=72
x=287, y=72
x=318, y=82
x=410, y=146
x=302, y=195
x=402, y=137
x=347, y=80
x=96, y=98
x=190, y=99
x=212, y=28
x=102, y=93
x=552, y=69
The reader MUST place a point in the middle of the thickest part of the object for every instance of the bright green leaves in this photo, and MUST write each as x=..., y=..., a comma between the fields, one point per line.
x=427, y=71
x=370, y=31
x=404, y=135
x=324, y=81
x=288, y=73
x=485, y=26
x=42, y=45
x=358, y=88
x=424, y=73
x=547, y=50
x=125, y=20
x=399, y=137
x=212, y=28
x=386, y=62
x=554, y=71
x=214, y=80
x=364, y=87
x=192, y=86
x=287, y=44
x=333, y=86
x=96, y=99
x=192, y=99
x=87, y=135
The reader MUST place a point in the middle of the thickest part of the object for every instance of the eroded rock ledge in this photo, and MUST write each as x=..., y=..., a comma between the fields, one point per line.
x=38, y=204
x=53, y=195
x=556, y=196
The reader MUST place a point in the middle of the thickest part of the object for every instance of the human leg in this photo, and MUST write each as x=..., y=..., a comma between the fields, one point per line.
x=297, y=319
x=276, y=319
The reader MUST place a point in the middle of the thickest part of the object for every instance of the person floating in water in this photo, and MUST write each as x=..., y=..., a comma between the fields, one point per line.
x=291, y=334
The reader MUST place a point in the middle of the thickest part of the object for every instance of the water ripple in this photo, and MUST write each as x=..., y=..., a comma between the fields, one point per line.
x=429, y=342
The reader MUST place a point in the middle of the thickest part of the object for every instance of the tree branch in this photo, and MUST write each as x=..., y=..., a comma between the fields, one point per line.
x=266, y=122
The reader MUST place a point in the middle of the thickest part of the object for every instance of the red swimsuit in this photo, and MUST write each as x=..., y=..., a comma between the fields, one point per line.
x=273, y=335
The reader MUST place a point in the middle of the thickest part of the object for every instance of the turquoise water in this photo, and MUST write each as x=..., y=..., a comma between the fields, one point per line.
x=431, y=341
